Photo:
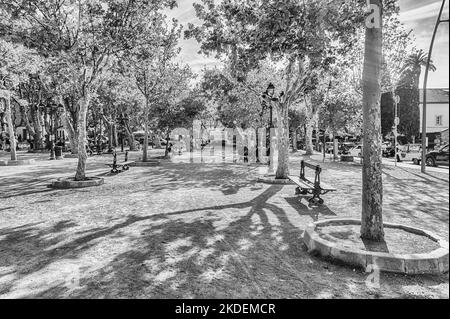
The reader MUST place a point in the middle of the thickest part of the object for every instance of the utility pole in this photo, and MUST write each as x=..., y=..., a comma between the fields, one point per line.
x=396, y=123
x=425, y=84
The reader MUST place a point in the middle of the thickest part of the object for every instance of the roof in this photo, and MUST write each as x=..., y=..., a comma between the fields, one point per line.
x=435, y=96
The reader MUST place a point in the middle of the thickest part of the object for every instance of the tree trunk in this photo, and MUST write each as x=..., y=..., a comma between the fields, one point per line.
x=283, y=142
x=130, y=138
x=82, y=132
x=12, y=136
x=110, y=135
x=38, y=137
x=372, y=192
x=145, y=148
x=309, y=138
x=26, y=119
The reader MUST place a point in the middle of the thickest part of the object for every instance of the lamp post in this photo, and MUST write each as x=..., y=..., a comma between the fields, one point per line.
x=395, y=128
x=268, y=96
x=425, y=83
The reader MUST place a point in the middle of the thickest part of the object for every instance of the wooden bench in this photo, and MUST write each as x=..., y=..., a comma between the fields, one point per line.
x=117, y=168
x=306, y=186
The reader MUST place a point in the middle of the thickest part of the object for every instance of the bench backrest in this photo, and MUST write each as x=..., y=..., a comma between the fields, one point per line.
x=317, y=170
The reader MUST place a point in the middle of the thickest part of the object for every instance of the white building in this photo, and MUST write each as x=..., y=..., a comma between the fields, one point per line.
x=437, y=114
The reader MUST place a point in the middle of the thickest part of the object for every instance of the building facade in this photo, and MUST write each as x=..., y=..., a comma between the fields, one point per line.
x=437, y=121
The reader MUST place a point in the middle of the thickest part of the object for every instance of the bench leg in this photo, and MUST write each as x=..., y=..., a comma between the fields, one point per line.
x=126, y=168
x=316, y=199
x=299, y=191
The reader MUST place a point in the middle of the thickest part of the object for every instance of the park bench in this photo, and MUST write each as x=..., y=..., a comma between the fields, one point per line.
x=119, y=167
x=306, y=186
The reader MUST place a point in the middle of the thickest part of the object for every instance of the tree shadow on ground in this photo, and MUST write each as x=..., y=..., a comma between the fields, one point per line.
x=313, y=211
x=244, y=250
x=227, y=178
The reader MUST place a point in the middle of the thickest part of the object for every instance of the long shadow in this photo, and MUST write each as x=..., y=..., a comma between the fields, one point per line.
x=313, y=211
x=249, y=249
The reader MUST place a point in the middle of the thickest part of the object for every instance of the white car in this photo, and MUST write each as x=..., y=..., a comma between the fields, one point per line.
x=356, y=151
x=411, y=153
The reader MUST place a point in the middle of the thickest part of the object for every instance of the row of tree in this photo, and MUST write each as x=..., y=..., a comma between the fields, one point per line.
x=100, y=60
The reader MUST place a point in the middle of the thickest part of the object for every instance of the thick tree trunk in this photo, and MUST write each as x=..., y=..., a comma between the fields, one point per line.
x=283, y=142
x=372, y=192
x=157, y=142
x=166, y=153
x=26, y=119
x=82, y=132
x=12, y=136
x=37, y=123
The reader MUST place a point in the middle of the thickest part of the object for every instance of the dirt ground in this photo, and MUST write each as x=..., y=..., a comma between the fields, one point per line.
x=196, y=231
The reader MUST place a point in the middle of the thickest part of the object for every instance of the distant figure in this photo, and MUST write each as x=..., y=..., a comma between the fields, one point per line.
x=245, y=154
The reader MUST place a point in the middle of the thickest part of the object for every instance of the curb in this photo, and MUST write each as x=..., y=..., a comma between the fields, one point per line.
x=146, y=164
x=273, y=181
x=68, y=183
x=17, y=162
x=435, y=262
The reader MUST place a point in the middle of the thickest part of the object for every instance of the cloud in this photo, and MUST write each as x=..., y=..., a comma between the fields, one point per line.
x=424, y=12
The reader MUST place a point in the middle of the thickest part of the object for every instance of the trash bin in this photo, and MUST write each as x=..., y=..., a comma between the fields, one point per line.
x=58, y=152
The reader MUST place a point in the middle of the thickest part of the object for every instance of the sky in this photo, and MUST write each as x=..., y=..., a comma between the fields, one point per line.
x=418, y=15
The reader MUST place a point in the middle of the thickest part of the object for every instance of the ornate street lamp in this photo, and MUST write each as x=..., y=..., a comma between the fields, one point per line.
x=268, y=99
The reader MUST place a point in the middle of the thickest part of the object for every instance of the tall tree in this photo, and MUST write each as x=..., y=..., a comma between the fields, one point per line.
x=372, y=191
x=409, y=93
x=148, y=67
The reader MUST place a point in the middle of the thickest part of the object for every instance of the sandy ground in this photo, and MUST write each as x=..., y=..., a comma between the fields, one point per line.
x=196, y=231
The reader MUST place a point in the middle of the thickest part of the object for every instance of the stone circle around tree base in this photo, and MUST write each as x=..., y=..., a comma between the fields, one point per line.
x=17, y=162
x=148, y=163
x=67, y=183
x=433, y=262
x=272, y=180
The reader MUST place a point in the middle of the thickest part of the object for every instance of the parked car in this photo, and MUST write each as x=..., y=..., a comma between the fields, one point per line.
x=344, y=148
x=389, y=151
x=411, y=153
x=440, y=157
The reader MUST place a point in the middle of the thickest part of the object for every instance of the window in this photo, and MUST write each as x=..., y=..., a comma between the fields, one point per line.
x=439, y=120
